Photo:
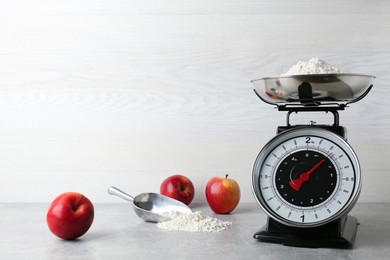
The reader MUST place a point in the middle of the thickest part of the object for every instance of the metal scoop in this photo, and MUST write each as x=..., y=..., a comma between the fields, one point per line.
x=151, y=206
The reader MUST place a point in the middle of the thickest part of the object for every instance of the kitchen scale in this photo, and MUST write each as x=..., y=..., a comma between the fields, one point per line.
x=307, y=178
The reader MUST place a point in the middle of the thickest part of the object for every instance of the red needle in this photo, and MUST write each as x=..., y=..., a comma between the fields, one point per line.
x=297, y=183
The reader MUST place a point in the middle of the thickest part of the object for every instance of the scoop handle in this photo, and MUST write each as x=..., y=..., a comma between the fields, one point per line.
x=117, y=192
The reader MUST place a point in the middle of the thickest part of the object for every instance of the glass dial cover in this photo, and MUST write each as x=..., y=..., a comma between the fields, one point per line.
x=306, y=177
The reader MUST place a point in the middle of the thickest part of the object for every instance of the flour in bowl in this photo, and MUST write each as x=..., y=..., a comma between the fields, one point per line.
x=193, y=222
x=313, y=66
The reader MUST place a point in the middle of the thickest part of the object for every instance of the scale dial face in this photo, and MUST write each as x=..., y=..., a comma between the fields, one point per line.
x=306, y=177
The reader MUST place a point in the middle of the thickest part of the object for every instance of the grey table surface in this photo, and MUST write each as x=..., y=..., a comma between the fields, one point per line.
x=117, y=233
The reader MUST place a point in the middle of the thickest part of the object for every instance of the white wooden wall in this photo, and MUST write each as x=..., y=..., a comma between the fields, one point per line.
x=96, y=93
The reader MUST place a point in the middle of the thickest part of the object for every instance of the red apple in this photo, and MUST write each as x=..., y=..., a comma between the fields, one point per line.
x=223, y=194
x=178, y=187
x=70, y=215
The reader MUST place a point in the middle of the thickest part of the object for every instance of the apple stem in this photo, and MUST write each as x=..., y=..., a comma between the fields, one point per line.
x=226, y=176
x=77, y=203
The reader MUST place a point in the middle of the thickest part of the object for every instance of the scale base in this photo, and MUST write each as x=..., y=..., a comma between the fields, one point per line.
x=340, y=233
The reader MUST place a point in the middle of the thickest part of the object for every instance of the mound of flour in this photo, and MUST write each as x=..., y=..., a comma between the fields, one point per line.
x=313, y=66
x=193, y=222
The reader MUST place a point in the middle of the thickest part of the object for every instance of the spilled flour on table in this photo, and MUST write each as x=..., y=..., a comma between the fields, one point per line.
x=193, y=222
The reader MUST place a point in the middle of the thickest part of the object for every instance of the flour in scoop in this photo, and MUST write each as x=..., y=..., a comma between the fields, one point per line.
x=193, y=222
x=312, y=66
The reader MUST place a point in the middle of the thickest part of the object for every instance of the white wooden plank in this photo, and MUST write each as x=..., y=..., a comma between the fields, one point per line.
x=128, y=92
x=190, y=7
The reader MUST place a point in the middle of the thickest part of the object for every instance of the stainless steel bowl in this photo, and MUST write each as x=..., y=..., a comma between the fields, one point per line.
x=325, y=88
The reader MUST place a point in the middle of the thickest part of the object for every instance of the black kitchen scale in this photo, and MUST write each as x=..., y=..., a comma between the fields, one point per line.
x=307, y=178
